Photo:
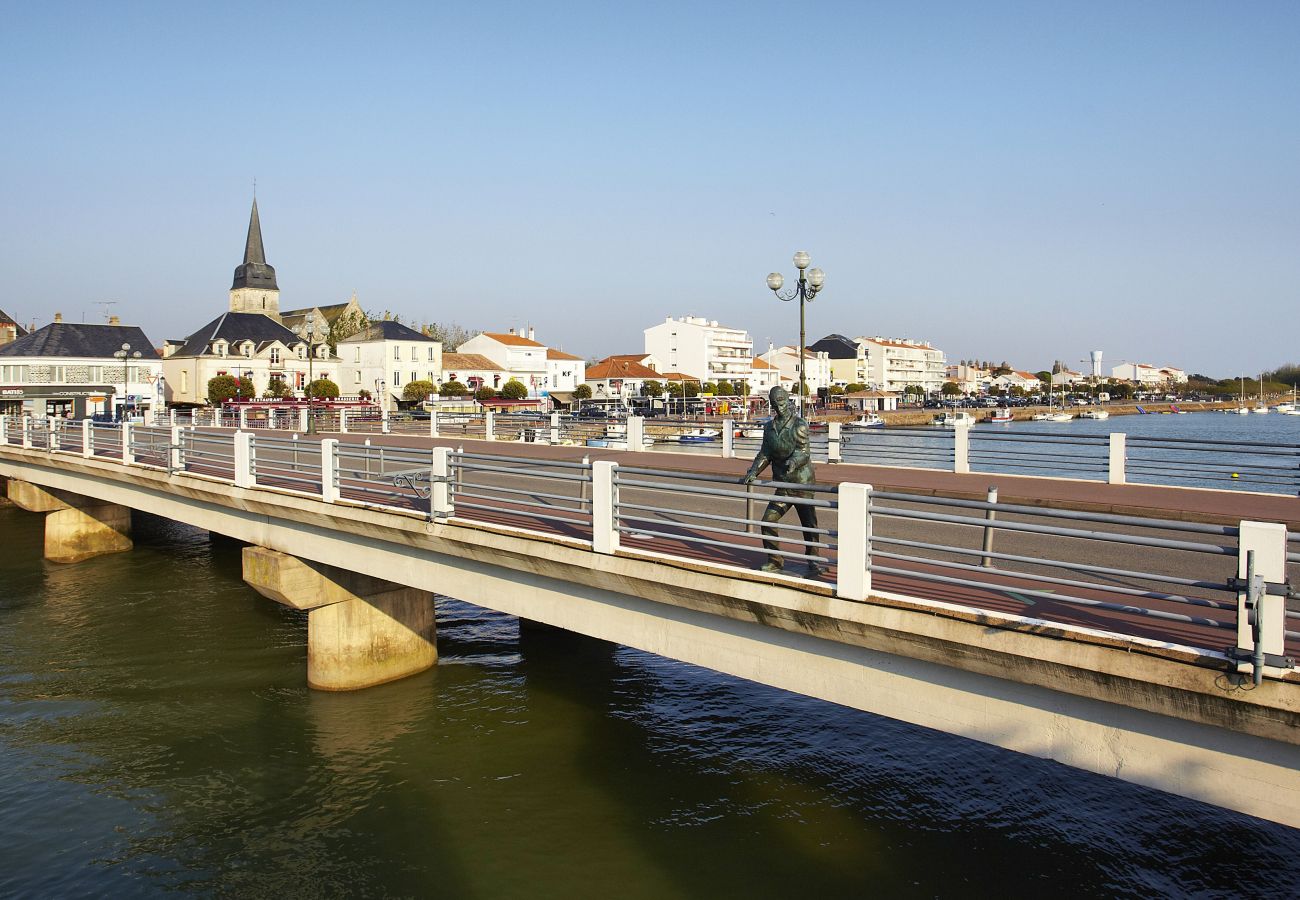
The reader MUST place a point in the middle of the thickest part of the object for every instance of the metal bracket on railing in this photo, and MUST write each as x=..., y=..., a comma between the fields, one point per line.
x=416, y=481
x=1273, y=589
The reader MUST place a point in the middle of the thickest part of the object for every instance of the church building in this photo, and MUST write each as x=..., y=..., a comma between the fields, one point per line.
x=248, y=340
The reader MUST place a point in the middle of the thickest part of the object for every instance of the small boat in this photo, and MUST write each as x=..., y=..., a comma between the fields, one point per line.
x=868, y=420
x=1054, y=417
x=1002, y=415
x=1094, y=414
x=1241, y=411
x=951, y=419
x=697, y=436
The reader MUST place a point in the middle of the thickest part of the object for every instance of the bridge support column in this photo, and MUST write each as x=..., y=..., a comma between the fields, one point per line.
x=76, y=527
x=361, y=631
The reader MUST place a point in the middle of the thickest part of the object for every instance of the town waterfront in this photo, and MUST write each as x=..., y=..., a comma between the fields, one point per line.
x=157, y=737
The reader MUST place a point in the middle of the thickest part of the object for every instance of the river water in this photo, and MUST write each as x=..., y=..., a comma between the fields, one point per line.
x=157, y=737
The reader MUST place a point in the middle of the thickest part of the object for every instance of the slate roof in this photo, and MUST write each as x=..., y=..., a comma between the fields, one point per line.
x=70, y=339
x=5, y=319
x=236, y=327
x=387, y=331
x=254, y=272
x=836, y=346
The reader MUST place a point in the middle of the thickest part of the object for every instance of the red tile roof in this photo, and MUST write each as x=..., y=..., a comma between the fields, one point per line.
x=560, y=354
x=512, y=340
x=613, y=367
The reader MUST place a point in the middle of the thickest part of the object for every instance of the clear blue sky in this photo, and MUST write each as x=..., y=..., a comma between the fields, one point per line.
x=1020, y=181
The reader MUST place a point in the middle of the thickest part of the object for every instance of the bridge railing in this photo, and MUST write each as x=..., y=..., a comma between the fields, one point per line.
x=1167, y=580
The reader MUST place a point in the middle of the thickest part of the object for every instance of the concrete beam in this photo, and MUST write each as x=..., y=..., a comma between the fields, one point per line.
x=34, y=498
x=361, y=631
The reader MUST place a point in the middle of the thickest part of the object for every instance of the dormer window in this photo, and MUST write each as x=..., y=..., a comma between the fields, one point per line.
x=302, y=351
x=248, y=348
x=220, y=348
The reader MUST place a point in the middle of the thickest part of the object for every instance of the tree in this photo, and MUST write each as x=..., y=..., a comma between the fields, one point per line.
x=514, y=390
x=950, y=389
x=742, y=388
x=582, y=392
x=453, y=389
x=223, y=388
x=344, y=326
x=674, y=389
x=417, y=390
x=1044, y=376
x=1120, y=389
x=854, y=387
x=724, y=388
x=485, y=394
x=276, y=388
x=652, y=388
x=914, y=390
x=708, y=387
x=836, y=390
x=322, y=389
x=692, y=389
x=449, y=333
x=364, y=394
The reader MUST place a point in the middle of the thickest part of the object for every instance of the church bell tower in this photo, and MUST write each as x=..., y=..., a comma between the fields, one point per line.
x=254, y=289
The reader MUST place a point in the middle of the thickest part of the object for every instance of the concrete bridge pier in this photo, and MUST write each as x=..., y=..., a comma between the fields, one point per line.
x=361, y=631
x=76, y=527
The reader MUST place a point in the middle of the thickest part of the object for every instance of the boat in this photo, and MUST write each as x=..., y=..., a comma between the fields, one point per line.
x=866, y=420
x=1289, y=409
x=1094, y=414
x=697, y=436
x=1002, y=415
x=951, y=419
x=1261, y=407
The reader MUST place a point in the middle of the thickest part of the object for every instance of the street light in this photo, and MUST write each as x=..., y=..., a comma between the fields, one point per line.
x=311, y=331
x=125, y=354
x=808, y=286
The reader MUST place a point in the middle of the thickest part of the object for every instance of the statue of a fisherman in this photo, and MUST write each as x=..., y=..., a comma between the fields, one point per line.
x=786, y=447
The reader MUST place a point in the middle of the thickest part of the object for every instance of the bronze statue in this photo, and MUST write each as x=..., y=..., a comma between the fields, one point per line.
x=786, y=447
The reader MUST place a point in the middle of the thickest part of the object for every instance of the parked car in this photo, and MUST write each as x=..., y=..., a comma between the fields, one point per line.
x=591, y=412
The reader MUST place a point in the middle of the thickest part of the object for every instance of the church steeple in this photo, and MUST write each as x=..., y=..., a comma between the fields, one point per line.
x=254, y=273
x=254, y=289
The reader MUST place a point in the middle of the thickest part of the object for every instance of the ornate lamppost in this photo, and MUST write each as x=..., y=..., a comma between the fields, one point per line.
x=126, y=355
x=805, y=289
x=311, y=330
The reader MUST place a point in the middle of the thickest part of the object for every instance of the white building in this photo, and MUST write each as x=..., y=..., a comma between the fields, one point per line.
x=701, y=348
x=766, y=377
x=970, y=379
x=69, y=369
x=1025, y=381
x=1148, y=375
x=619, y=378
x=523, y=357
x=474, y=370
x=385, y=357
x=1068, y=377
x=564, y=371
x=895, y=365
x=817, y=363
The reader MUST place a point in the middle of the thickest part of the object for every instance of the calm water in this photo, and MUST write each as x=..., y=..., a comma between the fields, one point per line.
x=156, y=736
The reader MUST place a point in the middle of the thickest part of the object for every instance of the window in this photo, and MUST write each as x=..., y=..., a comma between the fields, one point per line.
x=248, y=348
x=185, y=381
x=415, y=376
x=275, y=356
x=357, y=373
x=431, y=353
x=356, y=355
x=397, y=379
x=397, y=351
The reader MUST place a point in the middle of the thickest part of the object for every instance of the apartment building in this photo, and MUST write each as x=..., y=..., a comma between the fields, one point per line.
x=701, y=348
x=523, y=357
x=894, y=364
x=385, y=357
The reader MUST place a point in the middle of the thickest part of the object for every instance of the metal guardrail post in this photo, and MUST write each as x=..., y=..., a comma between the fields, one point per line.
x=128, y=434
x=636, y=433
x=329, y=464
x=604, y=521
x=87, y=438
x=990, y=515
x=853, y=566
x=489, y=425
x=1117, y=457
x=1261, y=616
x=244, y=460
x=555, y=428
x=440, y=505
x=833, y=454
x=728, y=438
x=961, y=448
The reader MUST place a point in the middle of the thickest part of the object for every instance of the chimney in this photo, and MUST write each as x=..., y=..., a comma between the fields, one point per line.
x=58, y=317
x=114, y=320
x=512, y=329
x=530, y=333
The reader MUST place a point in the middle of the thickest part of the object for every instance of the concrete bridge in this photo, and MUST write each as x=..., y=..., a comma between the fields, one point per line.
x=1173, y=673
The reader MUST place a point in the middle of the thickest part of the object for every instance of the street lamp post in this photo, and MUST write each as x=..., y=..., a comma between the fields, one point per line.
x=808, y=286
x=311, y=331
x=126, y=355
